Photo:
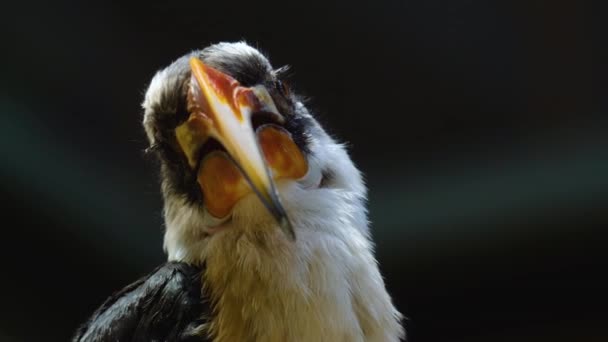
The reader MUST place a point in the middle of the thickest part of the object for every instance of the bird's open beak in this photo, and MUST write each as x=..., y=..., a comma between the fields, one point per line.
x=222, y=110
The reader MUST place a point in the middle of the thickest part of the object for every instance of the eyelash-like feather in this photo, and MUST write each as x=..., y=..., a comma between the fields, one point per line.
x=283, y=72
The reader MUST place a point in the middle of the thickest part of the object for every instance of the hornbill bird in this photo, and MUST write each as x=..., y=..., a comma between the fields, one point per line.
x=266, y=225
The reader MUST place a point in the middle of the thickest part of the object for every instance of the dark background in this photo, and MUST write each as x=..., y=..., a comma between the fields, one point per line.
x=480, y=125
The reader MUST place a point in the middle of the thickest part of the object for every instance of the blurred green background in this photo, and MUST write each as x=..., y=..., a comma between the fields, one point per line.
x=480, y=125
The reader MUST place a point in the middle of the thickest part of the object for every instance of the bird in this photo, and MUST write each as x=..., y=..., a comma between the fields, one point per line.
x=265, y=218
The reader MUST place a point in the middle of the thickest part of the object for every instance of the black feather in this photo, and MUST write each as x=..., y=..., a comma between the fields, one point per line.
x=166, y=305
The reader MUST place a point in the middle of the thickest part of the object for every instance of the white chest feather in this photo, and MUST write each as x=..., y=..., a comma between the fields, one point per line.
x=326, y=291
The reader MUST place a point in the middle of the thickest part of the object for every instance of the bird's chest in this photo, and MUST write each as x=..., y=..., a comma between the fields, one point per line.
x=278, y=299
x=274, y=315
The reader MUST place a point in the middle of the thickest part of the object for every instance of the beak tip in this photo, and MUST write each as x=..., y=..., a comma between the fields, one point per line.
x=280, y=215
x=287, y=228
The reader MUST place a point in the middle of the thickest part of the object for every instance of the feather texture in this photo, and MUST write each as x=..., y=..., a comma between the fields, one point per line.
x=165, y=305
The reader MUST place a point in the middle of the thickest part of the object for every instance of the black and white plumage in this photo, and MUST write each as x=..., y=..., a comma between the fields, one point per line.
x=256, y=283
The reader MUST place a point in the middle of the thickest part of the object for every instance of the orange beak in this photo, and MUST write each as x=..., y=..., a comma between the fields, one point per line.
x=221, y=109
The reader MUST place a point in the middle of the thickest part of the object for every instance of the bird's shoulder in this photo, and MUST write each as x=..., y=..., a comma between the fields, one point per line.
x=165, y=305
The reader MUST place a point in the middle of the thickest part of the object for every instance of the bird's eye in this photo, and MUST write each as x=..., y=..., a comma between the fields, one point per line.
x=282, y=87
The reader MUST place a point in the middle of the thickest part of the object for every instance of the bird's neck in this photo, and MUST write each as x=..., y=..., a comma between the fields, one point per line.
x=322, y=288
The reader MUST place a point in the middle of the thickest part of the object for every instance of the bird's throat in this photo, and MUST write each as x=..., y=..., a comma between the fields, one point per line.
x=266, y=290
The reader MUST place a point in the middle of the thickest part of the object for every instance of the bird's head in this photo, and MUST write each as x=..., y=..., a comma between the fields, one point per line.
x=241, y=155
